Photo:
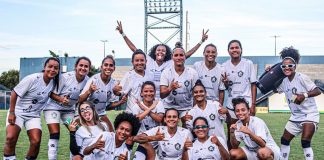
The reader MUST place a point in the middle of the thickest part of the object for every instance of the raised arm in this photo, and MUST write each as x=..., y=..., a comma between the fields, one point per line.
x=204, y=37
x=128, y=42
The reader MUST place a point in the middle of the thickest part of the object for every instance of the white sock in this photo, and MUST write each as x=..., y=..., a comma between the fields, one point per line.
x=308, y=153
x=52, y=149
x=284, y=150
x=9, y=158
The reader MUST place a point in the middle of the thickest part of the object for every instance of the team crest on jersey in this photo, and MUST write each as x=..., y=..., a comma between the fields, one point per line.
x=34, y=101
x=211, y=148
x=177, y=146
x=174, y=92
x=212, y=116
x=294, y=90
x=96, y=101
x=213, y=79
x=186, y=83
x=240, y=73
x=54, y=115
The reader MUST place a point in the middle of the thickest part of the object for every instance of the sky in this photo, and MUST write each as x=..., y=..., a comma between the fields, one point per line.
x=29, y=28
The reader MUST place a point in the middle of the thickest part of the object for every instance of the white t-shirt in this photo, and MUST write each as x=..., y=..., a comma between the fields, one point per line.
x=215, y=120
x=84, y=138
x=172, y=148
x=33, y=93
x=69, y=86
x=103, y=95
x=110, y=151
x=132, y=84
x=206, y=150
x=211, y=79
x=157, y=70
x=181, y=98
x=306, y=111
x=147, y=123
x=259, y=128
x=240, y=78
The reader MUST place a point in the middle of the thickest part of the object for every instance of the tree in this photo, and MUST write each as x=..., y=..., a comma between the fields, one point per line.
x=93, y=70
x=10, y=78
x=53, y=54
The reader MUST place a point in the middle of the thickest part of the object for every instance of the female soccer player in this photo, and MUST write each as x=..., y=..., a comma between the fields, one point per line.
x=61, y=106
x=159, y=56
x=207, y=109
x=258, y=142
x=99, y=90
x=27, y=101
x=206, y=146
x=149, y=111
x=171, y=138
x=239, y=78
x=300, y=91
x=176, y=84
x=210, y=72
x=133, y=80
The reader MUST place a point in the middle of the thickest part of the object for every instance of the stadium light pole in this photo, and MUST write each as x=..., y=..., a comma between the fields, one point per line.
x=275, y=38
x=104, y=42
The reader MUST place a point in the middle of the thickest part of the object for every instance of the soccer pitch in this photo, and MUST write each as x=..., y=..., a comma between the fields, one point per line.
x=275, y=121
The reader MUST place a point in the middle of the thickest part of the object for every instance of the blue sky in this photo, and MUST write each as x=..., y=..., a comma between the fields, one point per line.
x=29, y=28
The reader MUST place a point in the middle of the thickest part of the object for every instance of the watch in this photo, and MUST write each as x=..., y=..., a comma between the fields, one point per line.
x=306, y=95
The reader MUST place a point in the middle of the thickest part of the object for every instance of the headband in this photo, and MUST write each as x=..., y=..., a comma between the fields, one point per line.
x=290, y=58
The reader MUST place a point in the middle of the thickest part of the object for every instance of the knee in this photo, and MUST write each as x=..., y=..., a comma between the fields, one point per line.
x=234, y=154
x=263, y=153
x=305, y=143
x=11, y=139
x=35, y=142
x=284, y=141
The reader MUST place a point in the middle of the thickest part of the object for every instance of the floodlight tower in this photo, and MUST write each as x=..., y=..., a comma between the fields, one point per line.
x=162, y=15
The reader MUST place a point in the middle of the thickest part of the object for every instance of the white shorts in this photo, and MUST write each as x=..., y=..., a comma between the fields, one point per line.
x=253, y=155
x=27, y=122
x=295, y=128
x=52, y=116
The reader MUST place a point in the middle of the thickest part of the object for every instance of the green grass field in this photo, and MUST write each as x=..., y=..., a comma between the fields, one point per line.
x=275, y=122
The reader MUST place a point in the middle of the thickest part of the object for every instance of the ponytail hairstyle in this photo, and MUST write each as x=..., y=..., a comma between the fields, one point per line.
x=290, y=53
x=56, y=79
x=199, y=83
x=178, y=45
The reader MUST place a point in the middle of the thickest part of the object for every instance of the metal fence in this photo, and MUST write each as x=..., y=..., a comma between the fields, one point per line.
x=4, y=99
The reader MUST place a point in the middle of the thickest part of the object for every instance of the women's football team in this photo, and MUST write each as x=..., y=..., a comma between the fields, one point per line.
x=159, y=92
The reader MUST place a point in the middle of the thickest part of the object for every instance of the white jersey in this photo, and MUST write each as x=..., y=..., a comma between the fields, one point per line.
x=206, y=150
x=157, y=70
x=84, y=138
x=259, y=128
x=240, y=78
x=148, y=123
x=211, y=79
x=110, y=150
x=103, y=95
x=172, y=148
x=132, y=84
x=306, y=111
x=181, y=98
x=215, y=120
x=69, y=86
x=33, y=93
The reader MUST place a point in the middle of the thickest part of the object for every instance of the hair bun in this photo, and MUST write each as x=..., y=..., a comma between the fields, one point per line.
x=178, y=45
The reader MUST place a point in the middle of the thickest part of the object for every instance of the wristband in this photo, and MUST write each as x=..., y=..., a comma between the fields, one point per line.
x=12, y=112
x=201, y=42
x=306, y=95
x=123, y=34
